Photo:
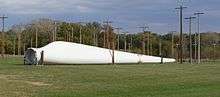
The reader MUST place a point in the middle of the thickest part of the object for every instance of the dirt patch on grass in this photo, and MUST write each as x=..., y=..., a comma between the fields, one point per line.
x=37, y=83
x=12, y=79
x=6, y=76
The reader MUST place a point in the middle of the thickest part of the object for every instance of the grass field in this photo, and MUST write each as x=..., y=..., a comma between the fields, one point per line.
x=140, y=80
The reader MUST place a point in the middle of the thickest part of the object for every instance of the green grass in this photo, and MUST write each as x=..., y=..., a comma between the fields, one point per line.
x=140, y=80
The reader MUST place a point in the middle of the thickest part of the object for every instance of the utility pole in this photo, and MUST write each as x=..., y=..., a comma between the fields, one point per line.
x=214, y=46
x=80, y=31
x=178, y=53
x=113, y=48
x=3, y=29
x=181, y=32
x=195, y=47
x=148, y=42
x=118, y=40
x=190, y=37
x=36, y=37
x=31, y=31
x=72, y=36
x=14, y=47
x=143, y=44
x=110, y=39
x=80, y=34
x=68, y=32
x=125, y=41
x=160, y=50
x=24, y=43
x=94, y=36
x=55, y=31
x=131, y=42
x=199, y=37
x=19, y=43
x=144, y=38
x=107, y=31
x=172, y=43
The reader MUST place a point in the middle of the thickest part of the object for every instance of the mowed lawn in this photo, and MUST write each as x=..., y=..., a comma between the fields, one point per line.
x=138, y=80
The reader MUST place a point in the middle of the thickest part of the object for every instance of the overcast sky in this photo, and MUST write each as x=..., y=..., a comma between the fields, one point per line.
x=160, y=15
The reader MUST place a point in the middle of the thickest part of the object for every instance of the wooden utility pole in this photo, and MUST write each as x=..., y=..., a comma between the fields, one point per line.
x=125, y=41
x=178, y=52
x=80, y=32
x=19, y=43
x=69, y=32
x=94, y=32
x=195, y=47
x=55, y=31
x=107, y=32
x=110, y=38
x=181, y=32
x=143, y=38
x=14, y=45
x=160, y=50
x=2, y=35
x=214, y=46
x=113, y=47
x=72, y=35
x=36, y=36
x=143, y=44
x=172, y=45
x=190, y=37
x=148, y=43
x=131, y=42
x=118, y=40
x=199, y=37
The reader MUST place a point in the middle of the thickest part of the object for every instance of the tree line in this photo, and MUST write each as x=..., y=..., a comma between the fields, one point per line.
x=41, y=32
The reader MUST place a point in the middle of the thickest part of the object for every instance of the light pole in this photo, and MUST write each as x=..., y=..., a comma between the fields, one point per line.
x=190, y=36
x=199, y=37
x=181, y=32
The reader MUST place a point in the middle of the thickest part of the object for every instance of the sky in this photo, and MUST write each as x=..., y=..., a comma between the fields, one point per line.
x=160, y=15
